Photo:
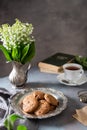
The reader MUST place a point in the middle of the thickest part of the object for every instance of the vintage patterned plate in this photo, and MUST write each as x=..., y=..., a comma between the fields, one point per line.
x=17, y=98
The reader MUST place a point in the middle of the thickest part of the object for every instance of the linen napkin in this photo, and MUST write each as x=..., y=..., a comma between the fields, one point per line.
x=5, y=107
x=81, y=115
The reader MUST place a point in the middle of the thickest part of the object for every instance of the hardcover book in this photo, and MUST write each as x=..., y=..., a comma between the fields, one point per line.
x=53, y=64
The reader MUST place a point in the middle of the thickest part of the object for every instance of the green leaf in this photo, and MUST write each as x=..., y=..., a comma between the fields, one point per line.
x=16, y=54
x=6, y=53
x=30, y=54
x=9, y=122
x=22, y=127
x=82, y=61
x=24, y=52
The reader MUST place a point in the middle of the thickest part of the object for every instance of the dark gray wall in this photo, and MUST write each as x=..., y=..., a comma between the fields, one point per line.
x=59, y=25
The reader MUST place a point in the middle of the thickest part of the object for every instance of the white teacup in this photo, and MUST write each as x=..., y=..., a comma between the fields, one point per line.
x=73, y=71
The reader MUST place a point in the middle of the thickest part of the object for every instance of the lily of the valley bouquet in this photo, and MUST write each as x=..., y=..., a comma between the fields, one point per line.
x=18, y=44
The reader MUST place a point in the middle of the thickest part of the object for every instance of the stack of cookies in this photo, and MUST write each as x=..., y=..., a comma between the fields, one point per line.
x=39, y=103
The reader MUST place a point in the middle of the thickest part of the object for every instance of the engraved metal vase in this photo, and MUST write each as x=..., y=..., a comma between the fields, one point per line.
x=18, y=75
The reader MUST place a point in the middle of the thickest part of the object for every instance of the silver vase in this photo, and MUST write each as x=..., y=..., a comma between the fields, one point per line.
x=18, y=75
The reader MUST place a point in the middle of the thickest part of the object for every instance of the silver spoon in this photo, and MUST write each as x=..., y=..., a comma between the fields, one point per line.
x=69, y=82
x=83, y=96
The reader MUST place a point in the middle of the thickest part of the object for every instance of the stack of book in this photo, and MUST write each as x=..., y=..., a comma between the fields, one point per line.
x=54, y=63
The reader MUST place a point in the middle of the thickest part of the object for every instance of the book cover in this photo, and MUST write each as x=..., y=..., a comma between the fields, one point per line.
x=46, y=70
x=53, y=64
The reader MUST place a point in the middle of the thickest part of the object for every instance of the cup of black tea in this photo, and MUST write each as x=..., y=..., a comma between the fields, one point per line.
x=73, y=71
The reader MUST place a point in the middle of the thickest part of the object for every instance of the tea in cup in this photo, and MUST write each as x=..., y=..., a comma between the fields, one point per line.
x=73, y=71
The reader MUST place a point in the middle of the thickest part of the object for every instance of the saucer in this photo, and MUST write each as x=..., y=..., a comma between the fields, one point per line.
x=62, y=80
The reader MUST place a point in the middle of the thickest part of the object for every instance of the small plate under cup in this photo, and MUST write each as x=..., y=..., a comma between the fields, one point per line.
x=61, y=79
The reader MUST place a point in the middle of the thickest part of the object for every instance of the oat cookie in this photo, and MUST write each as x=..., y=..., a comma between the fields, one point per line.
x=52, y=107
x=38, y=95
x=38, y=103
x=50, y=99
x=44, y=107
x=27, y=98
x=31, y=105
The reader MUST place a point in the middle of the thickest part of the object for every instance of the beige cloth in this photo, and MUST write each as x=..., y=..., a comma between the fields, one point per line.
x=81, y=115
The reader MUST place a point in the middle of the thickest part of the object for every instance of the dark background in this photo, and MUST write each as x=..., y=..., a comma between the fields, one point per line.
x=59, y=26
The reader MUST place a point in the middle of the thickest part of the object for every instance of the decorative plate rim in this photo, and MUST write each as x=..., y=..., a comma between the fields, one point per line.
x=15, y=100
